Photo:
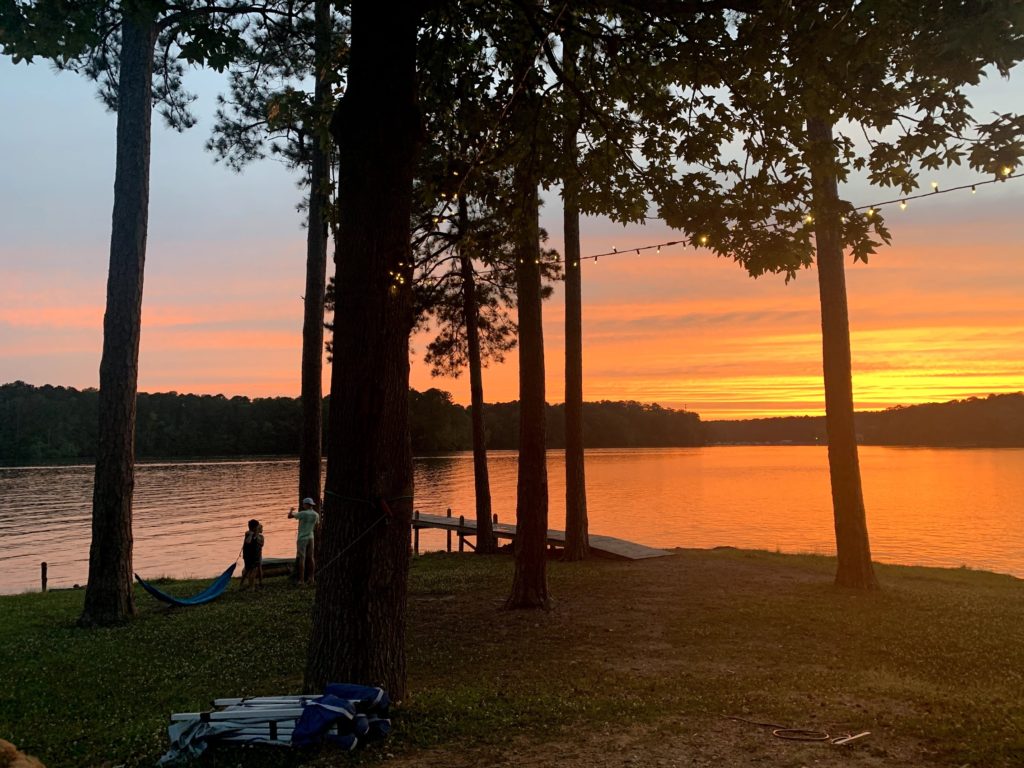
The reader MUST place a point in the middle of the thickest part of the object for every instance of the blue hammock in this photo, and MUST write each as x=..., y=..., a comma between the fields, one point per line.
x=212, y=592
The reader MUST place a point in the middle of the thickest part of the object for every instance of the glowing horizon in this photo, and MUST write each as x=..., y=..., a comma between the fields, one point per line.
x=937, y=316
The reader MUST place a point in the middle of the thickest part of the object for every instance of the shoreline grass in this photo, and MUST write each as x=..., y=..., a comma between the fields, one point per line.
x=933, y=665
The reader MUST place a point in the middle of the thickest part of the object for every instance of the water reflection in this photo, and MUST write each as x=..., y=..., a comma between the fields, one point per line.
x=925, y=506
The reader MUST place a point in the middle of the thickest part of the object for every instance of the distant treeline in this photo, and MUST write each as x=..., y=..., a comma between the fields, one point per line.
x=55, y=424
x=995, y=421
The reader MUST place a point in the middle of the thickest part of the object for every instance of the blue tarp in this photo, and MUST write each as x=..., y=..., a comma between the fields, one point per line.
x=359, y=712
x=212, y=592
x=347, y=715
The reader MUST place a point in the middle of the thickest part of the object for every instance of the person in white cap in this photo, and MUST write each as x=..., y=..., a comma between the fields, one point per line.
x=308, y=518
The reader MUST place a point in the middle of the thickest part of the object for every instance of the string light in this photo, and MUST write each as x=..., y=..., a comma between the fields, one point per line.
x=1006, y=171
x=1007, y=174
x=870, y=211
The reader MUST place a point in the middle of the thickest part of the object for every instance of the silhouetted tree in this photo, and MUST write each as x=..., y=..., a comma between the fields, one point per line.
x=800, y=80
x=577, y=537
x=126, y=47
x=270, y=109
x=470, y=317
x=359, y=613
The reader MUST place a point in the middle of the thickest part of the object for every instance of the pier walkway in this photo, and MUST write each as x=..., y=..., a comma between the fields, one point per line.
x=463, y=528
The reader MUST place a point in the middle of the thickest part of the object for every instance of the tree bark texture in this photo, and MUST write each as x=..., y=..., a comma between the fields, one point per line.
x=108, y=594
x=530, y=581
x=359, y=613
x=577, y=537
x=485, y=541
x=316, y=273
x=852, y=547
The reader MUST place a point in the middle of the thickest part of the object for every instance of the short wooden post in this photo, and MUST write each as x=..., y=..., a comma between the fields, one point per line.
x=462, y=533
x=449, y=532
x=415, y=532
x=42, y=574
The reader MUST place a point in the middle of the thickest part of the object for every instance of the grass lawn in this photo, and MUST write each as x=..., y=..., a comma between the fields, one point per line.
x=638, y=662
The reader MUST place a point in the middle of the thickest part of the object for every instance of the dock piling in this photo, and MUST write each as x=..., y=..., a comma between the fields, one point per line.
x=42, y=574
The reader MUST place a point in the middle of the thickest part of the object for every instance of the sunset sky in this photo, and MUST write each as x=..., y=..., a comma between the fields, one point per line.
x=939, y=315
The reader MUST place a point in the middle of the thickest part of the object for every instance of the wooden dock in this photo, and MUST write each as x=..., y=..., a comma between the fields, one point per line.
x=461, y=527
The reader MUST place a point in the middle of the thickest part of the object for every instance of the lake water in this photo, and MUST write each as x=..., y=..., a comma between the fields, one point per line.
x=943, y=507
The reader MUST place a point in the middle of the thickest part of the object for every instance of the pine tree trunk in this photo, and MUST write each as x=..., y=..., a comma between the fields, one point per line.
x=359, y=613
x=577, y=538
x=316, y=274
x=852, y=547
x=108, y=594
x=485, y=542
x=530, y=581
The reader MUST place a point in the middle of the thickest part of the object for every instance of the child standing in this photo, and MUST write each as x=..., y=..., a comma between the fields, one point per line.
x=252, y=555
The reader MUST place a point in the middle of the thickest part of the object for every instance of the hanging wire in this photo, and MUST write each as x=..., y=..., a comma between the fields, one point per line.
x=702, y=240
x=869, y=209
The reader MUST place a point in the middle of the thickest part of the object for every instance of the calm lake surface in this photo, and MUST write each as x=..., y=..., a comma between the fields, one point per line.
x=942, y=507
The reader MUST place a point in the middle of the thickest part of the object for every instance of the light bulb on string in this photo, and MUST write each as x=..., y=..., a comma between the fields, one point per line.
x=869, y=213
x=935, y=186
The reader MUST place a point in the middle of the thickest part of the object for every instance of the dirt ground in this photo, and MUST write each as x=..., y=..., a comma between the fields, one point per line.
x=674, y=744
x=633, y=605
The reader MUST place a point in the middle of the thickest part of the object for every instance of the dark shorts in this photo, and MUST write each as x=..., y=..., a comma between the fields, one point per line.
x=252, y=562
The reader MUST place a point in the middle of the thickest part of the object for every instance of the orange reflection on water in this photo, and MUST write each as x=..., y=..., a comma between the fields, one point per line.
x=942, y=507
